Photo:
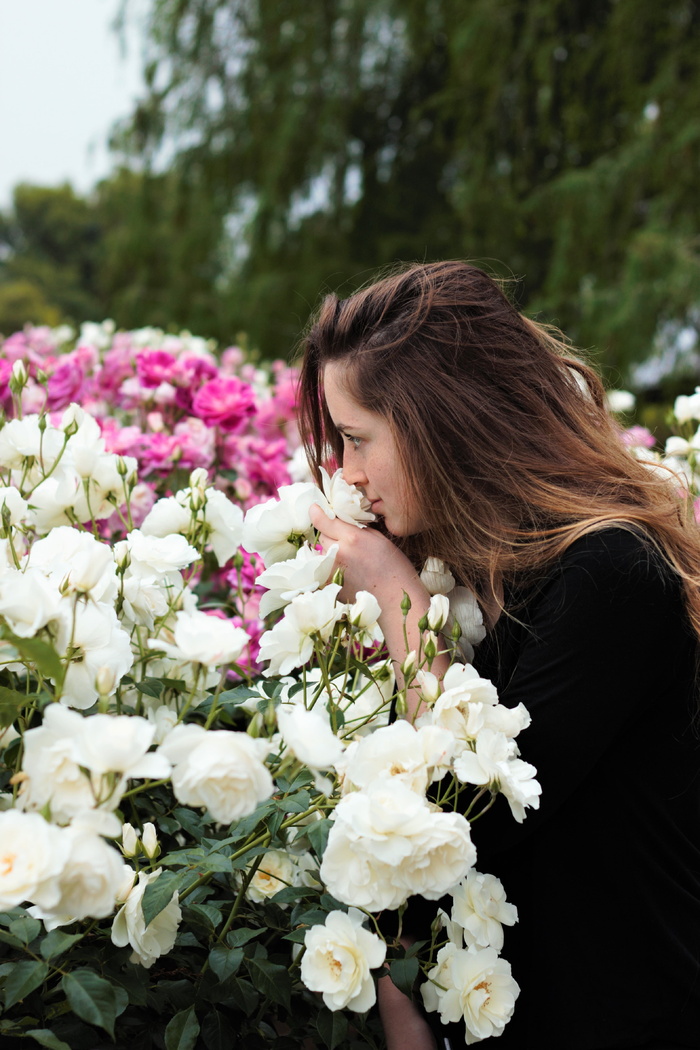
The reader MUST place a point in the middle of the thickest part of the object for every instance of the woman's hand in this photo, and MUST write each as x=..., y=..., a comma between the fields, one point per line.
x=371, y=562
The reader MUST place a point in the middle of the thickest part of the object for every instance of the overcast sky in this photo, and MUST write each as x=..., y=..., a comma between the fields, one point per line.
x=64, y=79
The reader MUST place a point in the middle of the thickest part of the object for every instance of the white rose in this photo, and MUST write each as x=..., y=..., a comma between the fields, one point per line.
x=474, y=986
x=466, y=611
x=687, y=407
x=32, y=855
x=28, y=601
x=338, y=959
x=268, y=526
x=224, y=521
x=398, y=750
x=77, y=559
x=96, y=640
x=129, y=927
x=21, y=439
x=160, y=554
x=203, y=639
x=217, y=769
x=284, y=580
x=438, y=612
x=167, y=516
x=309, y=735
x=479, y=906
x=275, y=871
x=494, y=762
x=620, y=400
x=387, y=842
x=90, y=878
x=11, y=501
x=458, y=707
x=119, y=744
x=50, y=762
x=290, y=644
x=346, y=502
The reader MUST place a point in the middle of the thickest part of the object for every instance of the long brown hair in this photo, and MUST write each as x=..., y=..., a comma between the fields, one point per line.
x=504, y=436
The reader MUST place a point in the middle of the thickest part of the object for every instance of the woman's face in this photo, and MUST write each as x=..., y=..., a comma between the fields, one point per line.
x=370, y=456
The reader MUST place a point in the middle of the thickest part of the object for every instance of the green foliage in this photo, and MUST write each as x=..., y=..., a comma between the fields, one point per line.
x=552, y=140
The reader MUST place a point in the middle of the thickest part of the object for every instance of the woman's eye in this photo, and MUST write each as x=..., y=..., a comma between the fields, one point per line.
x=354, y=441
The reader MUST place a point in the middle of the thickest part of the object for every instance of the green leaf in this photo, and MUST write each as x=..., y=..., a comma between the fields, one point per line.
x=190, y=821
x=403, y=973
x=332, y=1027
x=92, y=998
x=198, y=860
x=205, y=915
x=293, y=893
x=11, y=703
x=232, y=697
x=150, y=687
x=158, y=894
x=297, y=803
x=296, y=936
x=45, y=1037
x=225, y=961
x=26, y=928
x=182, y=1030
x=57, y=942
x=217, y=1033
x=236, y=938
x=7, y=938
x=39, y=653
x=271, y=980
x=317, y=834
x=244, y=826
x=245, y=995
x=25, y=977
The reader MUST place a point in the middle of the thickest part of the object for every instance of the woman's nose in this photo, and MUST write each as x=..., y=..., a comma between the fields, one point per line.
x=353, y=472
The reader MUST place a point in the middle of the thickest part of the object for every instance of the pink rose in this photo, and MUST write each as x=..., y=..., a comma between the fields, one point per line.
x=225, y=403
x=66, y=383
x=154, y=367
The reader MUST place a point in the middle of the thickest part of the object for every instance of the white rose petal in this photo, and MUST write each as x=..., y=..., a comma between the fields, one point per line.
x=309, y=736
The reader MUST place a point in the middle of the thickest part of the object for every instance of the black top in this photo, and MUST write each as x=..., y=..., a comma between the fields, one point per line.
x=606, y=875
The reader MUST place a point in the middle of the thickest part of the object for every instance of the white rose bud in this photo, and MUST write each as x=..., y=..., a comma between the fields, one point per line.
x=438, y=612
x=428, y=685
x=149, y=841
x=130, y=841
x=408, y=667
x=105, y=681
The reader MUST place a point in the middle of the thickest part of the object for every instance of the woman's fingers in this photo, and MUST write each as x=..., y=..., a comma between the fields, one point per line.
x=321, y=522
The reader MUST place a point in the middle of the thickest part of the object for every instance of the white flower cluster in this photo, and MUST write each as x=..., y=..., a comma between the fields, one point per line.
x=63, y=471
x=296, y=577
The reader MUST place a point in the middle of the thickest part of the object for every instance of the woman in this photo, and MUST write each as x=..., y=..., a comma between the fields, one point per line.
x=478, y=441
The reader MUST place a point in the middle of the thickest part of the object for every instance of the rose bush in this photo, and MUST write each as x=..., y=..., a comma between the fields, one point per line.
x=204, y=806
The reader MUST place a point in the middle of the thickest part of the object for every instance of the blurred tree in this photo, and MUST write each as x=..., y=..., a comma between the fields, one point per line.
x=142, y=249
x=557, y=139
x=49, y=242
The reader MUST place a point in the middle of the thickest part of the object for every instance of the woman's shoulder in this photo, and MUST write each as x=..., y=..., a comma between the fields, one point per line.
x=616, y=553
x=615, y=568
